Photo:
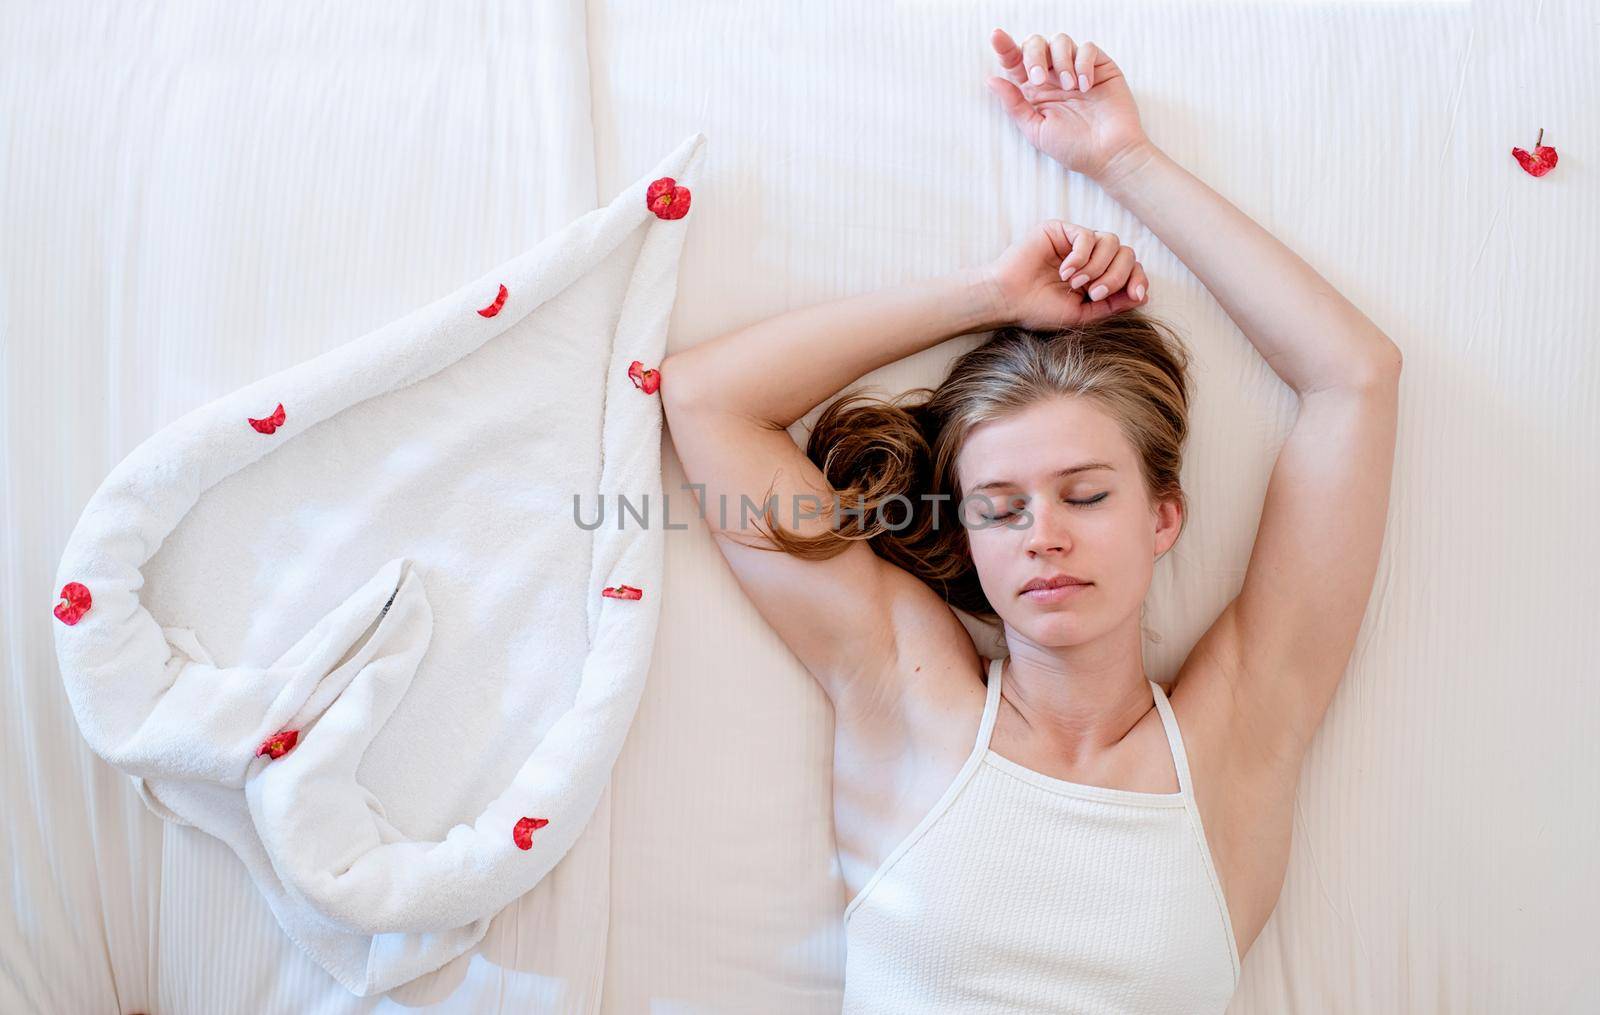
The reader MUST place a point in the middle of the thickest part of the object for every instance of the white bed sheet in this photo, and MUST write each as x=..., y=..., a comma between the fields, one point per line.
x=162, y=171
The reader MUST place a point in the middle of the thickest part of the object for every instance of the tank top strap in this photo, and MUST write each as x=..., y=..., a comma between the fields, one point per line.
x=1180, y=757
x=991, y=707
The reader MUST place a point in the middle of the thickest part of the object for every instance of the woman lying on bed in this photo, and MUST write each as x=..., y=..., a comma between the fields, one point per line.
x=1051, y=831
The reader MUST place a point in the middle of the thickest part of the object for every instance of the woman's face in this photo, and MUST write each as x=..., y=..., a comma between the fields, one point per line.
x=1053, y=517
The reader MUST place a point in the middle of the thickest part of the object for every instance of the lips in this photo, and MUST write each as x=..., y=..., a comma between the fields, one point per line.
x=1059, y=594
x=1055, y=582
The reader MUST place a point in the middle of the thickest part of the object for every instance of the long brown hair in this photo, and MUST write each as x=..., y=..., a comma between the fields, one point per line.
x=903, y=449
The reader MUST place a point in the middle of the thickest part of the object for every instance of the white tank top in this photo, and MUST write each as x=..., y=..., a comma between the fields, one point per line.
x=1019, y=892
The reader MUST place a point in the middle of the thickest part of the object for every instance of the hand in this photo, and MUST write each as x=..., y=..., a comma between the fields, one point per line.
x=1070, y=101
x=1032, y=281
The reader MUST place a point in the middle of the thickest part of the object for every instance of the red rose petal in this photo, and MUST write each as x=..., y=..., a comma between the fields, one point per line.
x=271, y=423
x=279, y=744
x=1542, y=160
x=494, y=308
x=648, y=381
x=522, y=834
x=667, y=199
x=75, y=602
x=622, y=592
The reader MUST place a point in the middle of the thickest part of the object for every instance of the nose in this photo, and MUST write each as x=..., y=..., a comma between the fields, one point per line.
x=1047, y=532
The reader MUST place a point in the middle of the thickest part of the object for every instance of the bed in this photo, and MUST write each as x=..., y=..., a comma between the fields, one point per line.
x=197, y=198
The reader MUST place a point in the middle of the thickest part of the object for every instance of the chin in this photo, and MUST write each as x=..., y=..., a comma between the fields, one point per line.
x=1056, y=629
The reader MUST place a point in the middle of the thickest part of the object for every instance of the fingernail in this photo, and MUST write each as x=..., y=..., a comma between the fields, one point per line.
x=1083, y=82
x=1036, y=74
x=1066, y=82
x=1097, y=292
x=1080, y=280
x=1138, y=292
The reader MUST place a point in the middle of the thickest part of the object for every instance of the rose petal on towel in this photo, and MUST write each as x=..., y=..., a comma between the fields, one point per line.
x=1541, y=161
x=279, y=744
x=648, y=381
x=494, y=308
x=667, y=199
x=75, y=602
x=271, y=423
x=622, y=592
x=522, y=834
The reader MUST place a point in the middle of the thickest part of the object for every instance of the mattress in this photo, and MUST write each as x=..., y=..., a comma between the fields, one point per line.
x=305, y=177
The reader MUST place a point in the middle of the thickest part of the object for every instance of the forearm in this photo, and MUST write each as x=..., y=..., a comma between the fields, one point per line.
x=779, y=369
x=1307, y=332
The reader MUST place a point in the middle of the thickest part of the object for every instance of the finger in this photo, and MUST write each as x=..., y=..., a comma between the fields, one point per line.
x=1101, y=309
x=1036, y=58
x=1061, y=59
x=1115, y=277
x=1081, y=239
x=1088, y=53
x=1105, y=248
x=1059, y=234
x=1018, y=108
x=1010, y=56
x=1138, y=283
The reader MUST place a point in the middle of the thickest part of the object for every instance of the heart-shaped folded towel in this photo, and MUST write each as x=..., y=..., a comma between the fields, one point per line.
x=392, y=667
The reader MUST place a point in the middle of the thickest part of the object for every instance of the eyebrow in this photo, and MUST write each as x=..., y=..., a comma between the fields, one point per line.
x=1070, y=470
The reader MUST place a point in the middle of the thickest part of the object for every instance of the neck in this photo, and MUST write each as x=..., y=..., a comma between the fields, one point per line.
x=1078, y=700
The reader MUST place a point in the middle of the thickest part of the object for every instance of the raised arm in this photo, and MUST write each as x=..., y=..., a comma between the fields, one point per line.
x=1287, y=637
x=1296, y=618
x=1310, y=335
x=777, y=370
x=730, y=400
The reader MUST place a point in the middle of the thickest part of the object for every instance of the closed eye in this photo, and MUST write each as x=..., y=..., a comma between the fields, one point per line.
x=1080, y=503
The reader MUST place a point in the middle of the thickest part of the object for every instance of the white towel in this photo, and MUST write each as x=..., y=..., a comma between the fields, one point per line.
x=392, y=669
